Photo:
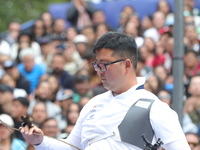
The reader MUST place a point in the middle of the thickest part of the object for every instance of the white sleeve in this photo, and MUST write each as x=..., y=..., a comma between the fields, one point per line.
x=166, y=126
x=177, y=145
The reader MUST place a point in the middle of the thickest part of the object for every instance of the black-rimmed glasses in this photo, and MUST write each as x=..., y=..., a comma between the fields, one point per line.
x=102, y=66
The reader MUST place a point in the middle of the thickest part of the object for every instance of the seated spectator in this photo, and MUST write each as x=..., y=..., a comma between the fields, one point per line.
x=143, y=70
x=72, y=116
x=38, y=30
x=80, y=14
x=8, y=141
x=10, y=81
x=39, y=113
x=42, y=93
x=192, y=104
x=82, y=87
x=47, y=19
x=63, y=77
x=54, y=87
x=50, y=128
x=191, y=63
x=74, y=62
x=71, y=33
x=21, y=82
x=29, y=68
x=25, y=38
x=81, y=44
x=89, y=32
x=59, y=29
x=165, y=97
x=153, y=84
x=98, y=16
x=13, y=32
x=5, y=47
x=6, y=98
x=19, y=108
x=101, y=29
x=193, y=140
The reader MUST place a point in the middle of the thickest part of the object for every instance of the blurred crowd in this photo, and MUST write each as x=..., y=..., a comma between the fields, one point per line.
x=46, y=71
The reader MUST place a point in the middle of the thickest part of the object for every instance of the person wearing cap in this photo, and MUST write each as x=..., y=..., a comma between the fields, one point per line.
x=81, y=43
x=6, y=98
x=8, y=141
x=19, y=108
x=21, y=82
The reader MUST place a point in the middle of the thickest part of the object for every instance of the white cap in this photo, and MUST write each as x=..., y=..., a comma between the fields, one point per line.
x=7, y=120
x=80, y=39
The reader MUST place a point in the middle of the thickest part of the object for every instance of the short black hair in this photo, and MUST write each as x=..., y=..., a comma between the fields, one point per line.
x=23, y=100
x=123, y=45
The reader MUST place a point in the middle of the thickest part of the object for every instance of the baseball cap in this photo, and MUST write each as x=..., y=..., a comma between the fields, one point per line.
x=7, y=120
x=5, y=88
x=66, y=96
x=23, y=100
x=9, y=64
x=80, y=39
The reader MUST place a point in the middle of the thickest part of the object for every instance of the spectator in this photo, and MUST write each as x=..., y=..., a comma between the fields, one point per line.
x=98, y=16
x=191, y=63
x=192, y=104
x=21, y=82
x=72, y=116
x=146, y=23
x=19, y=108
x=164, y=7
x=153, y=84
x=81, y=44
x=143, y=70
x=29, y=68
x=13, y=32
x=42, y=93
x=8, y=141
x=158, y=23
x=73, y=60
x=101, y=29
x=59, y=29
x=10, y=81
x=38, y=30
x=165, y=96
x=80, y=14
x=190, y=32
x=193, y=140
x=47, y=18
x=132, y=30
x=6, y=98
x=50, y=127
x=54, y=87
x=89, y=32
x=82, y=87
x=71, y=33
x=25, y=38
x=39, y=113
x=63, y=77
x=5, y=47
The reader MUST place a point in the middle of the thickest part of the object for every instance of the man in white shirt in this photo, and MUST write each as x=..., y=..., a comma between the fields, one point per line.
x=115, y=120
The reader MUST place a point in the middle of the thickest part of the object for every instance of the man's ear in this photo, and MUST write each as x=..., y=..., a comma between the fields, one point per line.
x=128, y=63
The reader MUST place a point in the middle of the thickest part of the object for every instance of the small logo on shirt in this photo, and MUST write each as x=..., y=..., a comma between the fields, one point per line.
x=97, y=107
x=90, y=117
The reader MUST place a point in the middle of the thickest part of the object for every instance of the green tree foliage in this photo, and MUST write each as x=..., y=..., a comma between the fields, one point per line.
x=22, y=10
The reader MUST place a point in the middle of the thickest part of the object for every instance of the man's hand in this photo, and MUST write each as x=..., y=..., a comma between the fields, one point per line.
x=29, y=136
